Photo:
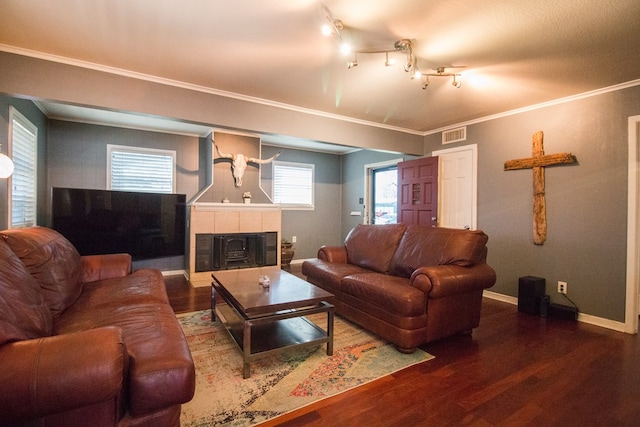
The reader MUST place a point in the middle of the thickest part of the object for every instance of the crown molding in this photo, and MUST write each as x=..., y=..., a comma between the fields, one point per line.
x=232, y=95
x=539, y=106
x=197, y=88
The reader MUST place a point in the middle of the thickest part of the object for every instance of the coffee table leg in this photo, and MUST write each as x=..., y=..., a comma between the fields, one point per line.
x=330, y=332
x=213, y=303
x=246, y=350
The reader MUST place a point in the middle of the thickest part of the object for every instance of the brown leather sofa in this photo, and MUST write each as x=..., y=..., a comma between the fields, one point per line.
x=83, y=340
x=408, y=284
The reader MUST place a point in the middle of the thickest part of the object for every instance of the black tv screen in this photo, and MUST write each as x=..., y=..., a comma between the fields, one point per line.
x=145, y=225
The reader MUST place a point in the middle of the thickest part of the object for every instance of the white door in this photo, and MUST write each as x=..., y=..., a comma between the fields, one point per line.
x=457, y=187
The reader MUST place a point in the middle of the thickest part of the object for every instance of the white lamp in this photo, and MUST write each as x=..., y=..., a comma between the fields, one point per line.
x=6, y=165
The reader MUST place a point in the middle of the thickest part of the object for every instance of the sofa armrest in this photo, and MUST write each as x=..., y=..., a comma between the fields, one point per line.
x=54, y=374
x=336, y=254
x=100, y=267
x=444, y=280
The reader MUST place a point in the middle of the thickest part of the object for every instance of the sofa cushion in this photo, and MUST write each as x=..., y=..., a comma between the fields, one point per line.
x=372, y=246
x=23, y=312
x=52, y=260
x=161, y=370
x=391, y=293
x=329, y=273
x=143, y=286
x=424, y=246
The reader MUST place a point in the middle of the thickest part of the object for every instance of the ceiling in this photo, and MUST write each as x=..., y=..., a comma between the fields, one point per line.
x=515, y=53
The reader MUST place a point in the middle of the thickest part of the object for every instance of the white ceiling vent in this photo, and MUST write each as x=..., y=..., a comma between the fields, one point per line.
x=454, y=135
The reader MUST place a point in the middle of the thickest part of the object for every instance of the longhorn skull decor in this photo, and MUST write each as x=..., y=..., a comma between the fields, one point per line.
x=239, y=163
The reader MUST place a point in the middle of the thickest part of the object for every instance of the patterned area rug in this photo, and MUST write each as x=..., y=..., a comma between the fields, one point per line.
x=280, y=383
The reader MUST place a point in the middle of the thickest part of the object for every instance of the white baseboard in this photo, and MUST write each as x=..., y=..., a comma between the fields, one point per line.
x=174, y=273
x=584, y=318
x=500, y=297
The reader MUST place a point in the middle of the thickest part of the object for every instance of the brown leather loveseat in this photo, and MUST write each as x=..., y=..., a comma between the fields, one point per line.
x=408, y=284
x=83, y=340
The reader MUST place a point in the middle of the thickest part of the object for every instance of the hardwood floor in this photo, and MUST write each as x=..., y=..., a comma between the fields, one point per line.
x=515, y=370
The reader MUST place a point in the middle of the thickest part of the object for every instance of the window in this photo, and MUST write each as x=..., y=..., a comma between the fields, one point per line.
x=293, y=185
x=140, y=169
x=23, y=144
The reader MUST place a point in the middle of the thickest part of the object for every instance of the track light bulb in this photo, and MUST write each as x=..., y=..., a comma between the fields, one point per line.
x=389, y=62
x=456, y=83
x=351, y=64
x=425, y=85
x=345, y=48
x=6, y=165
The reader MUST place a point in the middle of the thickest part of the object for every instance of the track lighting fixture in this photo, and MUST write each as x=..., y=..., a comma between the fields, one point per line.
x=334, y=27
x=442, y=72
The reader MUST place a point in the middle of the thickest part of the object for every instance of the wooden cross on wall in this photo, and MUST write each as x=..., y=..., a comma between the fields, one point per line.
x=538, y=162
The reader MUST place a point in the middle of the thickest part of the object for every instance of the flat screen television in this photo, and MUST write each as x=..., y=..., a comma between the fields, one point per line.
x=145, y=225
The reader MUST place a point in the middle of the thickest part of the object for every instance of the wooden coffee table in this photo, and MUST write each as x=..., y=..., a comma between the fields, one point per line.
x=264, y=321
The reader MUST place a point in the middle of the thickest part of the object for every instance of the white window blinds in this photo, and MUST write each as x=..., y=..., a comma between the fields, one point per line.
x=137, y=169
x=24, y=143
x=293, y=184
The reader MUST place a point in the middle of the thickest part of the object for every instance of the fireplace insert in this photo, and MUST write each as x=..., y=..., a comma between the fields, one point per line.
x=237, y=250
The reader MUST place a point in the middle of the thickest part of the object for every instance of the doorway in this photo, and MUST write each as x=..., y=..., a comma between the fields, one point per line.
x=457, y=187
x=384, y=200
x=633, y=229
x=380, y=192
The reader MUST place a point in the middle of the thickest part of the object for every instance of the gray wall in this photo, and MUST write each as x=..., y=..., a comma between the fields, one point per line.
x=38, y=78
x=320, y=226
x=77, y=154
x=77, y=157
x=223, y=180
x=586, y=202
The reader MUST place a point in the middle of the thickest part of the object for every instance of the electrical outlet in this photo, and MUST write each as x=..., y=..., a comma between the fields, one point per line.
x=293, y=239
x=562, y=287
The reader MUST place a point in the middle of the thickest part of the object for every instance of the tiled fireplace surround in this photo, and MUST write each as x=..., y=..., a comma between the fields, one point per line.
x=228, y=218
x=208, y=215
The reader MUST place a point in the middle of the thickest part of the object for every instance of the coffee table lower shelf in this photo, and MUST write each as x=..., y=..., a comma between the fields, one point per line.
x=277, y=332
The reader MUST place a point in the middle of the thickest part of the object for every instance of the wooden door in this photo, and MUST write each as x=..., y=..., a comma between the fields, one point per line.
x=418, y=191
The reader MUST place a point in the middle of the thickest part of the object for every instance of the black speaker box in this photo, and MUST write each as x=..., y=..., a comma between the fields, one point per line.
x=530, y=291
x=544, y=306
